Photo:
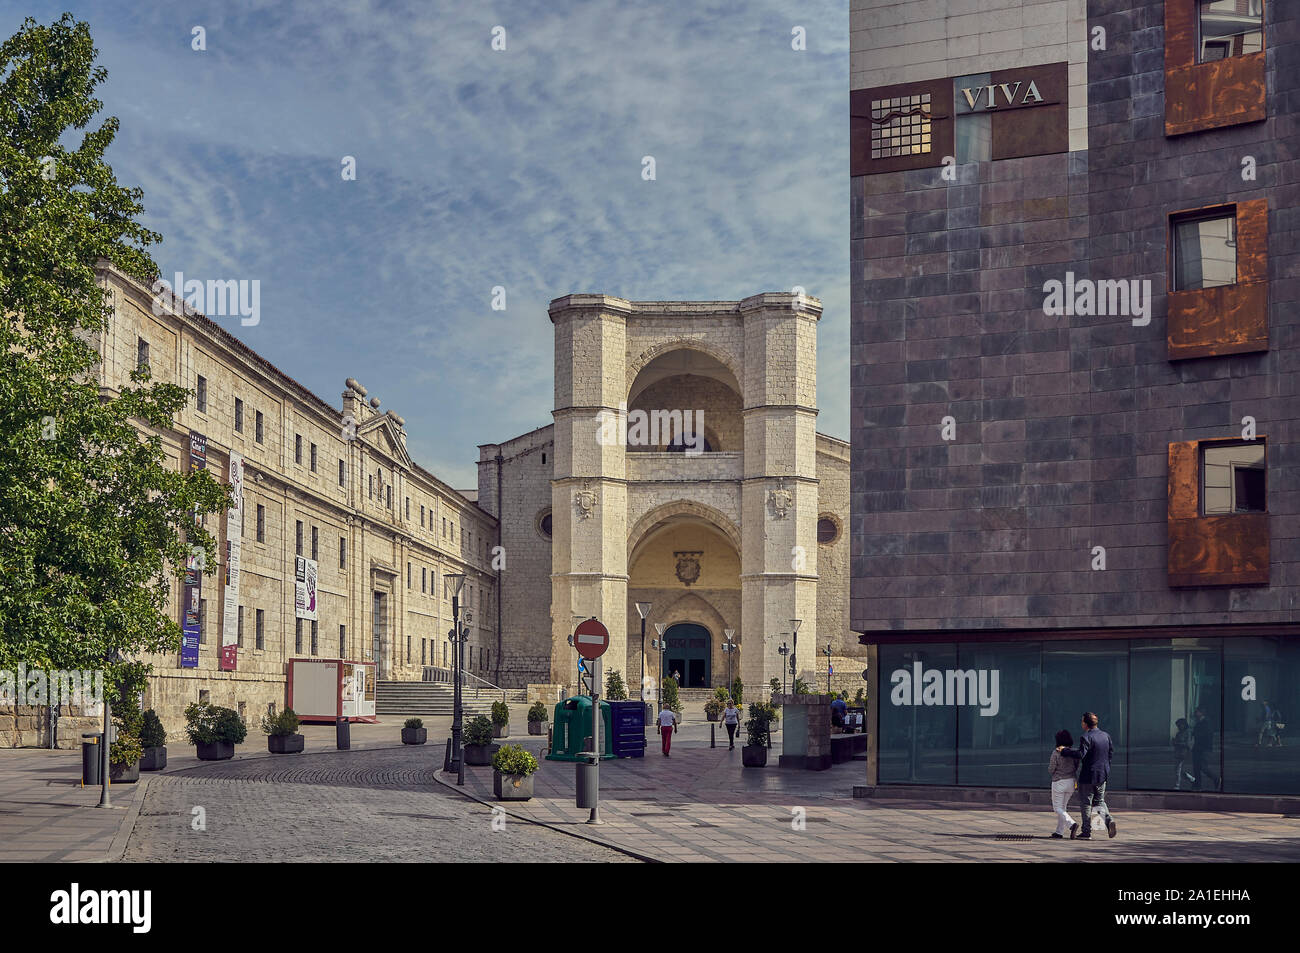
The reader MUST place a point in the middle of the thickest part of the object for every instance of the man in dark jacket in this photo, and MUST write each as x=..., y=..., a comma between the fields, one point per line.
x=1094, y=753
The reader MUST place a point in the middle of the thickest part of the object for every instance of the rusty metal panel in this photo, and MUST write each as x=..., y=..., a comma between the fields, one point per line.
x=1229, y=319
x=1184, y=480
x=1033, y=130
x=1212, y=95
x=1212, y=322
x=1180, y=33
x=1230, y=550
x=860, y=127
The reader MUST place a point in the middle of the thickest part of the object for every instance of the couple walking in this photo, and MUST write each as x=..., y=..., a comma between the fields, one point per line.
x=1086, y=768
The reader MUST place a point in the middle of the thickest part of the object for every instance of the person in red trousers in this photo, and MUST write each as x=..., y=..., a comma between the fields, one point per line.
x=667, y=725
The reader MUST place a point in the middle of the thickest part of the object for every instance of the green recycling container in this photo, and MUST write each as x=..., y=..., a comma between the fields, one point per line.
x=571, y=728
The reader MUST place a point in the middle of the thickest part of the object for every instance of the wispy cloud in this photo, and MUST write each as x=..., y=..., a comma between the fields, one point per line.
x=478, y=168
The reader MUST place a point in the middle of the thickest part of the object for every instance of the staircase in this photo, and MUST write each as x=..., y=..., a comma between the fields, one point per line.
x=430, y=698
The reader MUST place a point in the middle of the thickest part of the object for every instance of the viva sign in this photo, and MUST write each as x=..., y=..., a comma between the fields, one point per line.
x=986, y=97
x=922, y=686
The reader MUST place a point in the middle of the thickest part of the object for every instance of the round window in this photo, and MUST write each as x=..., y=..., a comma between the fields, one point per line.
x=828, y=530
x=544, y=524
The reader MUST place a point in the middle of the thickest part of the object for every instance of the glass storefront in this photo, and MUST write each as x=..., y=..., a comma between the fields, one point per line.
x=1185, y=714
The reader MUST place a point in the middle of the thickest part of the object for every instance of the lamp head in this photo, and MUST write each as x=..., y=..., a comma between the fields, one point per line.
x=643, y=610
x=457, y=580
x=661, y=627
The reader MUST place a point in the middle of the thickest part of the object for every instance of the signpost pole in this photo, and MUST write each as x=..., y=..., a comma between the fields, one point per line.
x=595, y=741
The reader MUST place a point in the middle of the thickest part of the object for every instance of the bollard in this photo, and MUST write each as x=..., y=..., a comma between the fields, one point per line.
x=343, y=734
x=713, y=735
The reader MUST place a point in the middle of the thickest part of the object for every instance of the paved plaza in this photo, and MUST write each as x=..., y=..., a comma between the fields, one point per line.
x=381, y=802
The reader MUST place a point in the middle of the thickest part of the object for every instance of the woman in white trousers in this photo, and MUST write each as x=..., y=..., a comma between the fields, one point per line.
x=1063, y=772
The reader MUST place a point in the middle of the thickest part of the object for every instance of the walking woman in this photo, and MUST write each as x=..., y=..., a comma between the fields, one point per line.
x=731, y=718
x=1062, y=771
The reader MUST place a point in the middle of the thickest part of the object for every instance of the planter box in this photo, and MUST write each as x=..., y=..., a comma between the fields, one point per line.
x=124, y=773
x=414, y=736
x=217, y=751
x=155, y=759
x=480, y=755
x=500, y=731
x=753, y=756
x=512, y=787
x=537, y=727
x=285, y=744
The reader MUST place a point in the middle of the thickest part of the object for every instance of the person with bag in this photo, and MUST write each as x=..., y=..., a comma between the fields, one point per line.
x=667, y=725
x=731, y=718
x=1062, y=771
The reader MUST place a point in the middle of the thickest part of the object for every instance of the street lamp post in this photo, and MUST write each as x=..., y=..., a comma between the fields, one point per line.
x=729, y=646
x=660, y=645
x=783, y=650
x=643, y=610
x=828, y=666
x=457, y=647
x=794, y=650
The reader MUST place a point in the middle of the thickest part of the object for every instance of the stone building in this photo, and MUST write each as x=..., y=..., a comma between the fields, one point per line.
x=384, y=531
x=730, y=522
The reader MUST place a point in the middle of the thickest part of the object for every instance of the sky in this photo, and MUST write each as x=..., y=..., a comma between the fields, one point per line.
x=476, y=168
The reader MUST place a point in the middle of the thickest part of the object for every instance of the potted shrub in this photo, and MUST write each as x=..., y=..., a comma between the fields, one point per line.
x=713, y=707
x=214, y=731
x=670, y=699
x=512, y=775
x=537, y=719
x=758, y=732
x=124, y=757
x=500, y=719
x=478, y=741
x=153, y=738
x=775, y=686
x=282, y=733
x=414, y=732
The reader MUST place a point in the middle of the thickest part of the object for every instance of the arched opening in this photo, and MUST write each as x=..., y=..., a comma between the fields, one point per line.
x=689, y=653
x=685, y=400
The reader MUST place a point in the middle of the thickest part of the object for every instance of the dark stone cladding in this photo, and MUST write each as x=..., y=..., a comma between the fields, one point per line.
x=1062, y=422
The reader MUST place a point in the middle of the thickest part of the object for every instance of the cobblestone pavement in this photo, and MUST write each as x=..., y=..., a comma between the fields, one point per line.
x=378, y=805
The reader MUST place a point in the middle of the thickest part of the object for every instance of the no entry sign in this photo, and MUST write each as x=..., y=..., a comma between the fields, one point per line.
x=591, y=639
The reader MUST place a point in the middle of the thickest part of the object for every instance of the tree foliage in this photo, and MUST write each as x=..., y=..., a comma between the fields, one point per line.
x=93, y=525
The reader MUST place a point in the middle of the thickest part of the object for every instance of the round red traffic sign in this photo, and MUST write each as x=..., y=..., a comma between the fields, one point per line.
x=591, y=639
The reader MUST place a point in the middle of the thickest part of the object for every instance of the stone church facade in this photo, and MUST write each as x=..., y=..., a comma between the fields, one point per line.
x=744, y=536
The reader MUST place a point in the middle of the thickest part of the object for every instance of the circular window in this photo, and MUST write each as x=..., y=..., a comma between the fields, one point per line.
x=544, y=524
x=828, y=529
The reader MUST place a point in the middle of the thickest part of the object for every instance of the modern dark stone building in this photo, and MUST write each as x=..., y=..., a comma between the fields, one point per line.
x=1075, y=433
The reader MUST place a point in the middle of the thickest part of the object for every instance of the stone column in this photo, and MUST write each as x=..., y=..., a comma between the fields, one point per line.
x=779, y=493
x=589, y=489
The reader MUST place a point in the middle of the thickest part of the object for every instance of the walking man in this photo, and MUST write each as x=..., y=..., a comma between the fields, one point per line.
x=667, y=725
x=1203, y=750
x=1094, y=754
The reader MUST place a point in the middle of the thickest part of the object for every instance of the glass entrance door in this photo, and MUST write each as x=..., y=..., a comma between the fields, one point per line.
x=688, y=654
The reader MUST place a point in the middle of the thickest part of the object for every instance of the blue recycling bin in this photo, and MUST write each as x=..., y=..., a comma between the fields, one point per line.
x=628, y=728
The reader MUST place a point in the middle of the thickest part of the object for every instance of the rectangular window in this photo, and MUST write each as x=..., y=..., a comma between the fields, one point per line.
x=1233, y=478
x=1205, y=252
x=201, y=395
x=239, y=638
x=315, y=645
x=343, y=552
x=261, y=523
x=444, y=527
x=297, y=448
x=297, y=636
x=424, y=576
x=259, y=432
x=315, y=543
x=408, y=575
x=313, y=458
x=371, y=480
x=261, y=629
x=390, y=496
x=343, y=641
x=239, y=415
x=1229, y=28
x=343, y=473
x=298, y=538
x=408, y=508
x=141, y=353
x=424, y=651
x=421, y=515
x=203, y=621
x=408, y=650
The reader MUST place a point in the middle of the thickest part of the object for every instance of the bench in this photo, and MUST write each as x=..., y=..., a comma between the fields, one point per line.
x=846, y=747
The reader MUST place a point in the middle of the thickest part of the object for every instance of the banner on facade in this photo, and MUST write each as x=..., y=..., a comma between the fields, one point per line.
x=198, y=451
x=305, y=589
x=234, y=546
x=190, y=622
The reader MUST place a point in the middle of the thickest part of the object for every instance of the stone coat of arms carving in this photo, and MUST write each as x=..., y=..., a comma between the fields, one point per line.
x=780, y=500
x=688, y=567
x=585, y=501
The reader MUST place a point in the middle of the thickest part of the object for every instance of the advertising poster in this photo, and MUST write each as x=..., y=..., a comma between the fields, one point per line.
x=190, y=622
x=234, y=545
x=198, y=451
x=305, y=589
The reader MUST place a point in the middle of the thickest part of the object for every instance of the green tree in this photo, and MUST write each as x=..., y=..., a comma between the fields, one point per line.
x=615, y=690
x=92, y=523
x=670, y=698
